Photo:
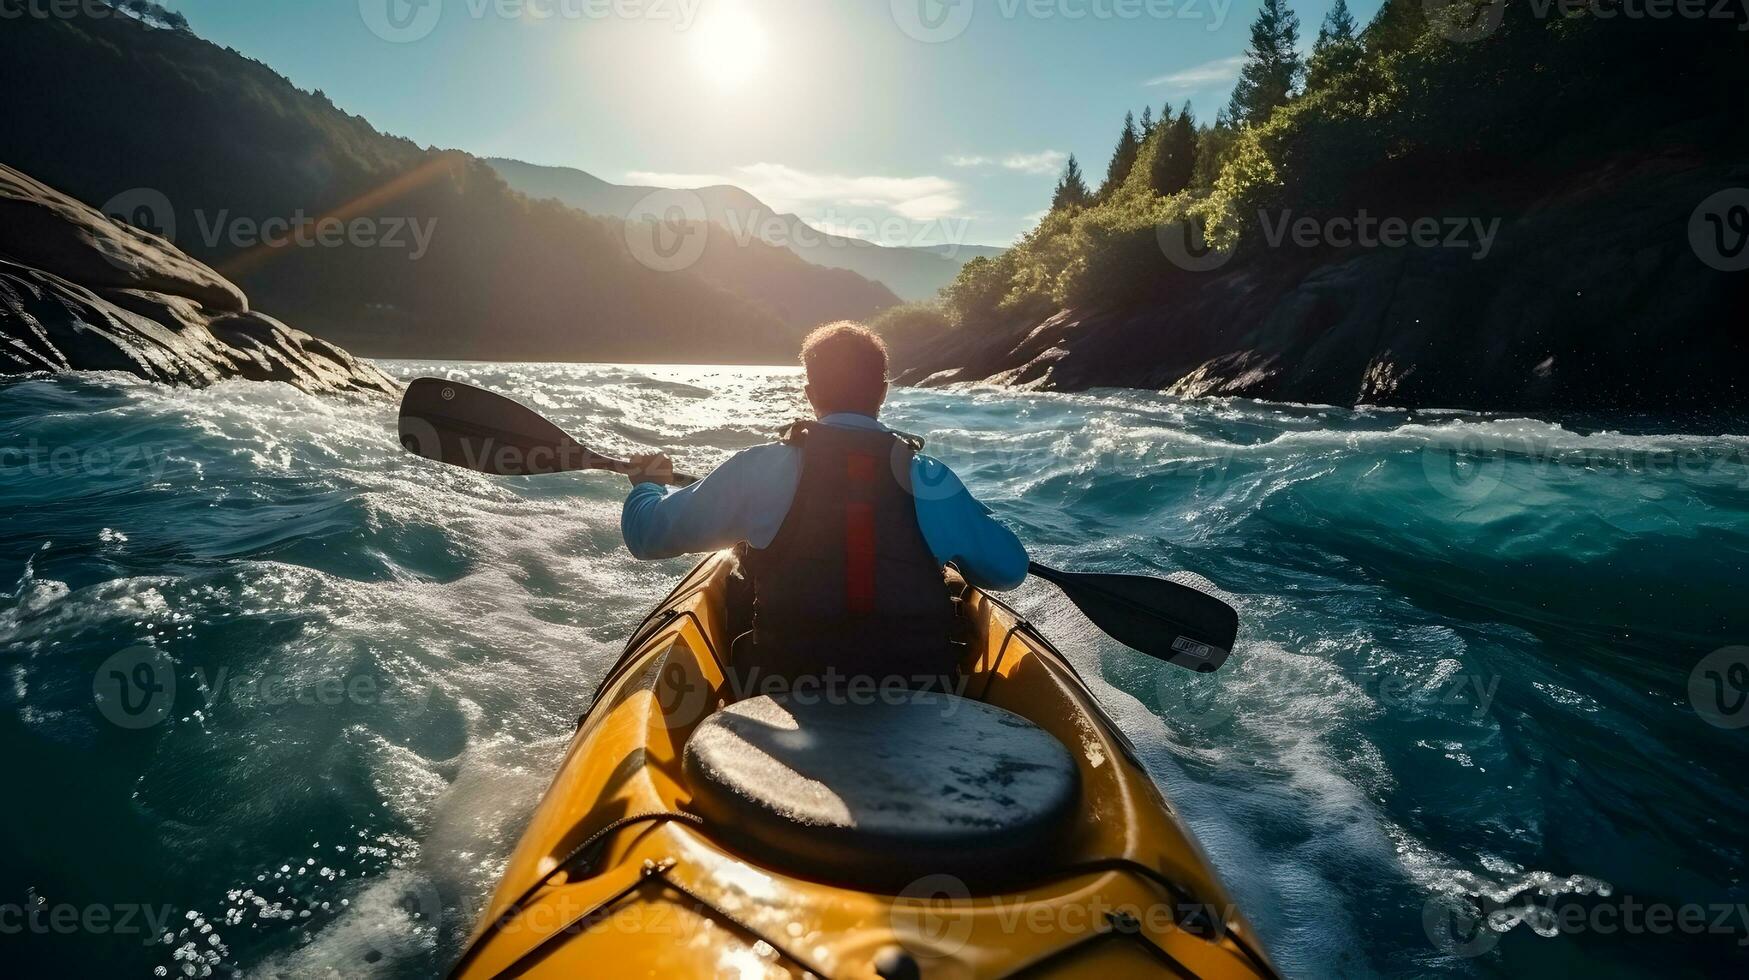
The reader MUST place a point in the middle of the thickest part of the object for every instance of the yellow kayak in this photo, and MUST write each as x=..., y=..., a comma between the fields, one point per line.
x=697, y=828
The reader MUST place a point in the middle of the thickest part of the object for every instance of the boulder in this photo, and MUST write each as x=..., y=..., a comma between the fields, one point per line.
x=81, y=292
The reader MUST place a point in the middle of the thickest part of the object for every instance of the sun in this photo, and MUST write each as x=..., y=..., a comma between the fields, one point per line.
x=729, y=47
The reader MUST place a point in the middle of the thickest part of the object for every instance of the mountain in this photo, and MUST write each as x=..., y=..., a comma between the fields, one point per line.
x=369, y=239
x=913, y=272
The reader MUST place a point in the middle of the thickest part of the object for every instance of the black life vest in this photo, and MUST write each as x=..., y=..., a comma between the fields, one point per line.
x=849, y=585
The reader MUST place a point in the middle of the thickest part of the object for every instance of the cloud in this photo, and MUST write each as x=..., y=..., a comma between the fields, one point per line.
x=1044, y=162
x=788, y=188
x=1209, y=74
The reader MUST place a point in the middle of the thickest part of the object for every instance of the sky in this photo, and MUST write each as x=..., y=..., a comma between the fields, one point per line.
x=900, y=121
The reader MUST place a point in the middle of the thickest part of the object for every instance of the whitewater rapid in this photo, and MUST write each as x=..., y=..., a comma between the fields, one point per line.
x=1462, y=689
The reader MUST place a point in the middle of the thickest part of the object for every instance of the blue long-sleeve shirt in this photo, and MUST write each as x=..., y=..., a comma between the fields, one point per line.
x=747, y=498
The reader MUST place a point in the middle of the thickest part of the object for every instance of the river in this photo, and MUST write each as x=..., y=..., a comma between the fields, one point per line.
x=1481, y=719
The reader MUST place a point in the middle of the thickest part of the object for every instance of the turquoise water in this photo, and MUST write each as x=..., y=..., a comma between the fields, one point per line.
x=1463, y=680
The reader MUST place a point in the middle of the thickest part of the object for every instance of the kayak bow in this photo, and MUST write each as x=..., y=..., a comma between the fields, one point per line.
x=650, y=857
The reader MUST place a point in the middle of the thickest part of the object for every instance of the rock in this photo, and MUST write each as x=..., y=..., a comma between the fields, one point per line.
x=1593, y=299
x=80, y=292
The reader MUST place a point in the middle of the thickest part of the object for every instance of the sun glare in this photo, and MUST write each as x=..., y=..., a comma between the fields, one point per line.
x=729, y=47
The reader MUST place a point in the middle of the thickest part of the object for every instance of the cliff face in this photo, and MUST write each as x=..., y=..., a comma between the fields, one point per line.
x=81, y=292
x=1593, y=298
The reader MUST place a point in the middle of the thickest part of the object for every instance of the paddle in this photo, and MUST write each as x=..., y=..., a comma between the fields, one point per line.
x=1166, y=620
x=459, y=424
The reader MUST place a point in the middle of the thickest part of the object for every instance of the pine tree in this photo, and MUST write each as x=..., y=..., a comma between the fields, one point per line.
x=1123, y=159
x=1336, y=51
x=1272, y=64
x=1147, y=124
x=1072, y=189
x=1175, y=158
x=1338, y=24
x=1397, y=26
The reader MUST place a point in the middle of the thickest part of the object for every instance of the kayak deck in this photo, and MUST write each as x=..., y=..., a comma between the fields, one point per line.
x=616, y=875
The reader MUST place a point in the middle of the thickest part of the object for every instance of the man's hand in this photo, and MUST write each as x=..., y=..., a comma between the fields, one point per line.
x=650, y=468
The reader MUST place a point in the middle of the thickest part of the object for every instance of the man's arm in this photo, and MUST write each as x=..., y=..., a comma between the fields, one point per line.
x=960, y=529
x=745, y=499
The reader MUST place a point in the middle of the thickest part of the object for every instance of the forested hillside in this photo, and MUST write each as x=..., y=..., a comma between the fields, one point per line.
x=382, y=245
x=1242, y=254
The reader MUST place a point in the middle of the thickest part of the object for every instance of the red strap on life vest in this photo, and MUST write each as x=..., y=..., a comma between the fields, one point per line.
x=859, y=536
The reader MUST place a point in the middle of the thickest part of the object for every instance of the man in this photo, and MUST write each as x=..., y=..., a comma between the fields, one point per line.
x=847, y=529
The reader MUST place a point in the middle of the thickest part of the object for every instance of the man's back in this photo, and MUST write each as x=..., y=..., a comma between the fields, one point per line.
x=848, y=527
x=747, y=498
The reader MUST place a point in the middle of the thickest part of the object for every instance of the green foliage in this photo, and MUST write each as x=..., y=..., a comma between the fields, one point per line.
x=1116, y=257
x=1397, y=27
x=911, y=324
x=1272, y=66
x=1406, y=123
x=1213, y=143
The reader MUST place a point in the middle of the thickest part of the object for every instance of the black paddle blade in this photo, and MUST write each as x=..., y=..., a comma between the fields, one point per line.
x=1165, y=620
x=462, y=425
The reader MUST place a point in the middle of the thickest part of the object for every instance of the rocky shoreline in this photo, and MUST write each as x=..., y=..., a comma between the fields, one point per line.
x=81, y=292
x=1595, y=298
